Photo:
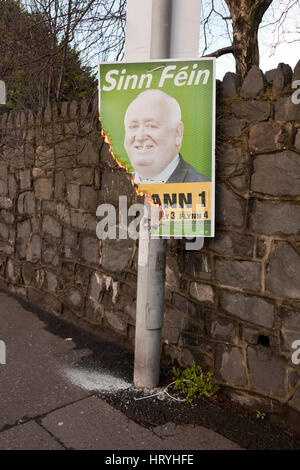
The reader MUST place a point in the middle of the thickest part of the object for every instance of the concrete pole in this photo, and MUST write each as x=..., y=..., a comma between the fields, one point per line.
x=150, y=26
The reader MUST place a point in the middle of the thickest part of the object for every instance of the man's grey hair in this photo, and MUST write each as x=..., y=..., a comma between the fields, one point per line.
x=172, y=103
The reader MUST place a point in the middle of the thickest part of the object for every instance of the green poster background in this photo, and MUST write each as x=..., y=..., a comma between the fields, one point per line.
x=197, y=104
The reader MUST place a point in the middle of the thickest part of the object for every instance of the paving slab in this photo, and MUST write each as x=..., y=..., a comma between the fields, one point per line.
x=30, y=381
x=93, y=424
x=49, y=390
x=29, y=436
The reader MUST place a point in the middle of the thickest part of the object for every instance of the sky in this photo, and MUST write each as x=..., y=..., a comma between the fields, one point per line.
x=287, y=36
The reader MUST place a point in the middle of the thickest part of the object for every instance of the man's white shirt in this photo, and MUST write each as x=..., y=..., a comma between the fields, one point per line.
x=162, y=177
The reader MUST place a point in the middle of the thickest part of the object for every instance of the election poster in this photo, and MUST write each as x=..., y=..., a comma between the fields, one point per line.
x=159, y=118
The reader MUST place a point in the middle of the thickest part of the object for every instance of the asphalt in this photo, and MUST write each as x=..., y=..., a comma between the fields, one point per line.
x=49, y=387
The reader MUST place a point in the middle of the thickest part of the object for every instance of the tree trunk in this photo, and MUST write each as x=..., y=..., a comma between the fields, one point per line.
x=246, y=17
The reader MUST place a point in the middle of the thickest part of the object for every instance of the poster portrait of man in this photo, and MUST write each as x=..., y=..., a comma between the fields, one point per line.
x=159, y=120
x=153, y=137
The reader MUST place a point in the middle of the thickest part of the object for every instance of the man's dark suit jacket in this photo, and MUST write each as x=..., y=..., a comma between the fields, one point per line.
x=185, y=173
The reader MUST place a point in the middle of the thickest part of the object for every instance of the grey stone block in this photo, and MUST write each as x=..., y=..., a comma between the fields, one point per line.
x=23, y=230
x=297, y=140
x=173, y=274
x=44, y=156
x=243, y=274
x=251, y=309
x=229, y=366
x=26, y=203
x=25, y=179
x=269, y=75
x=83, y=221
x=13, y=270
x=81, y=175
x=48, y=206
x=229, y=160
x=3, y=231
x=115, y=184
x=230, y=127
x=276, y=174
x=50, y=253
x=183, y=304
x=197, y=265
x=202, y=292
x=286, y=110
x=240, y=182
x=3, y=170
x=96, y=285
x=230, y=209
x=70, y=238
x=115, y=321
x=295, y=401
x=43, y=188
x=88, y=198
x=66, y=150
x=88, y=152
x=252, y=110
x=12, y=186
x=3, y=188
x=172, y=325
x=107, y=159
x=51, y=281
x=73, y=192
x=222, y=329
x=267, y=371
x=52, y=226
x=296, y=74
x=264, y=137
x=59, y=189
x=29, y=152
x=5, y=203
x=116, y=254
x=94, y=312
x=231, y=243
x=290, y=320
x=34, y=249
x=7, y=248
x=229, y=85
x=44, y=300
x=282, y=77
x=82, y=277
x=27, y=273
x=249, y=335
x=254, y=83
x=84, y=107
x=74, y=297
x=283, y=272
x=73, y=109
x=63, y=213
x=89, y=249
x=272, y=219
x=288, y=337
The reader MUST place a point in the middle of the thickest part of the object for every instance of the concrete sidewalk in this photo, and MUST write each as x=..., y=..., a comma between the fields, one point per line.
x=49, y=390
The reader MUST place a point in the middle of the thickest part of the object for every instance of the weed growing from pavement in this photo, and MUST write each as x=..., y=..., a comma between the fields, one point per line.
x=193, y=382
x=260, y=415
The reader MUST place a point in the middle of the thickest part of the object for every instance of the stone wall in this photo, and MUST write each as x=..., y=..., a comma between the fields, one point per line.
x=234, y=306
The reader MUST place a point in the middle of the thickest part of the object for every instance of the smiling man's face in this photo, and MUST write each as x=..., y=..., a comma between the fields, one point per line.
x=152, y=135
